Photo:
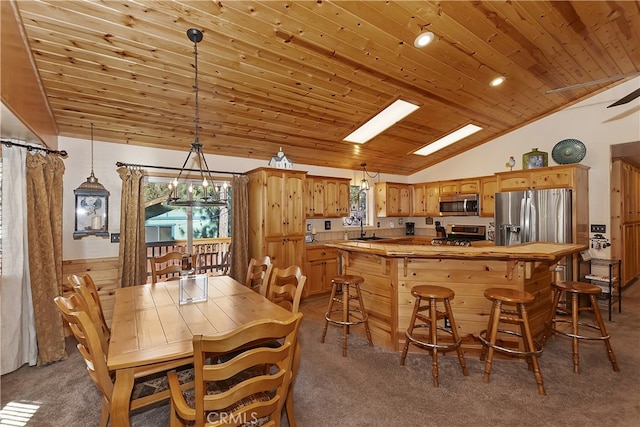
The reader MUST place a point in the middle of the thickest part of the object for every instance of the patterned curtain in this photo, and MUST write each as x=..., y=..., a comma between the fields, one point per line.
x=132, y=259
x=44, y=224
x=239, y=227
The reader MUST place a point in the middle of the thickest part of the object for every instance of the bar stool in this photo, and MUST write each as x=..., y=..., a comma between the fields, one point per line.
x=532, y=348
x=432, y=295
x=576, y=289
x=346, y=281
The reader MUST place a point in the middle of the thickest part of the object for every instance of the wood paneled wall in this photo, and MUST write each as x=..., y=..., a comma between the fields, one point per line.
x=104, y=272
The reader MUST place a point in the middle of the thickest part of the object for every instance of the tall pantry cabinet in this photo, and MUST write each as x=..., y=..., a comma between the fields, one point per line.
x=625, y=218
x=277, y=215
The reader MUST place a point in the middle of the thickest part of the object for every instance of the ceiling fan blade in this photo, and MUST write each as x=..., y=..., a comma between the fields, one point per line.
x=594, y=82
x=628, y=98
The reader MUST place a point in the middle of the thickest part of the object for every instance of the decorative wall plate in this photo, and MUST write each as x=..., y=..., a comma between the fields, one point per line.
x=568, y=151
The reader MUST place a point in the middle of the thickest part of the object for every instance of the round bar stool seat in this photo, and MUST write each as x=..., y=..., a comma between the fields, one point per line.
x=575, y=289
x=519, y=316
x=432, y=295
x=348, y=310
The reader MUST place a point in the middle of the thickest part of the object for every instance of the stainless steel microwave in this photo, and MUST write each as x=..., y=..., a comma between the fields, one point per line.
x=460, y=205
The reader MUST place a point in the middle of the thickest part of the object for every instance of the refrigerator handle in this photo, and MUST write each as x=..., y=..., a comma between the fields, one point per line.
x=533, y=222
x=523, y=223
x=527, y=218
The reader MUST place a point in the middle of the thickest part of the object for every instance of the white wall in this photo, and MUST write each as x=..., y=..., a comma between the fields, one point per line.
x=105, y=156
x=589, y=121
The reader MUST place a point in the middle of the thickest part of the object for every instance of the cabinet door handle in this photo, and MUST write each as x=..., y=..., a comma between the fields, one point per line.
x=323, y=253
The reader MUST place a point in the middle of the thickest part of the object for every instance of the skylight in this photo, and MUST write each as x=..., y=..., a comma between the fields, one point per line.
x=382, y=121
x=447, y=140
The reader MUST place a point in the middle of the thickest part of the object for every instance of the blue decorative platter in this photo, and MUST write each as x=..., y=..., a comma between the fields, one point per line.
x=568, y=151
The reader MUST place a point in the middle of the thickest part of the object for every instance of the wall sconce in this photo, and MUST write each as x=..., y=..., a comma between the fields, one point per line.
x=92, y=206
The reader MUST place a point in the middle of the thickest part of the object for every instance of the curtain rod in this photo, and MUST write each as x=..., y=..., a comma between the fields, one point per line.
x=134, y=165
x=63, y=153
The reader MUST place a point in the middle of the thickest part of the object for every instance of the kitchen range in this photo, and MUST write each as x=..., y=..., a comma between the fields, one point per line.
x=461, y=235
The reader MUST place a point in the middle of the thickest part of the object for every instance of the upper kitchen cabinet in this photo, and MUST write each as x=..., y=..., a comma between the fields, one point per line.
x=314, y=197
x=460, y=186
x=488, y=188
x=392, y=199
x=565, y=176
x=326, y=197
x=276, y=210
x=424, y=199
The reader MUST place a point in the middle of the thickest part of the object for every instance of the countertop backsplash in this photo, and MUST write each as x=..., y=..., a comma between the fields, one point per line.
x=352, y=233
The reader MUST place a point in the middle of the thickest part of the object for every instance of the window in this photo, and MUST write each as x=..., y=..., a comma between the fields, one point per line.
x=358, y=207
x=166, y=223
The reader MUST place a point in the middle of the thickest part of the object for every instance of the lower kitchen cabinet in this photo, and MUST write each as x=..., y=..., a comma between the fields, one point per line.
x=285, y=251
x=320, y=268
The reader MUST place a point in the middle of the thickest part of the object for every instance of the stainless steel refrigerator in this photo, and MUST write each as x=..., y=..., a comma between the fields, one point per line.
x=535, y=216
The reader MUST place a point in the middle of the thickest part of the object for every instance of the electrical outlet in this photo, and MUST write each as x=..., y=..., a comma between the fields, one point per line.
x=598, y=228
x=115, y=237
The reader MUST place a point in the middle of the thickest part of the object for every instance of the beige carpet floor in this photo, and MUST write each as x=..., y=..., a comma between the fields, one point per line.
x=370, y=388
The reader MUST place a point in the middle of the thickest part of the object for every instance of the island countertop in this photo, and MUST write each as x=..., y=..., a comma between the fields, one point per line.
x=534, y=251
x=391, y=269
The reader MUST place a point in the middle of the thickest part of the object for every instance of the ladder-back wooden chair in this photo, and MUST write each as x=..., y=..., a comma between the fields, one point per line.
x=86, y=288
x=285, y=289
x=150, y=386
x=286, y=286
x=259, y=274
x=169, y=263
x=239, y=390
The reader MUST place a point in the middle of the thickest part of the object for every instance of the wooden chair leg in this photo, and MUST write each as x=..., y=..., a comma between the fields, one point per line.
x=433, y=333
x=328, y=313
x=289, y=401
x=412, y=323
x=364, y=314
x=104, y=413
x=456, y=337
x=174, y=420
x=603, y=332
x=493, y=333
x=530, y=346
x=548, y=326
x=575, y=306
x=345, y=318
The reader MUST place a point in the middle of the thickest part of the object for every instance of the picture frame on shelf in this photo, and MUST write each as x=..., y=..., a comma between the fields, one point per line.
x=535, y=159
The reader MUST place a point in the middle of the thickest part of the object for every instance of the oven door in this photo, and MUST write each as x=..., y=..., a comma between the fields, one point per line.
x=460, y=205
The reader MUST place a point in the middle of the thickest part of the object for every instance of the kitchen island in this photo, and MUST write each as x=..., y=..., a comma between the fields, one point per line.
x=390, y=270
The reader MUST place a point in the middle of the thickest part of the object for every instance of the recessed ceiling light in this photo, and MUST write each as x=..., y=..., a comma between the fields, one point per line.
x=381, y=121
x=424, y=39
x=447, y=140
x=497, y=81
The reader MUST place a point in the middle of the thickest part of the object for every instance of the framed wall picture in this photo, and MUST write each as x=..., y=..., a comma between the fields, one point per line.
x=535, y=159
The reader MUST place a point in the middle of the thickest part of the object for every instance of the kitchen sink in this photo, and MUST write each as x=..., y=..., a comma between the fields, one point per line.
x=367, y=238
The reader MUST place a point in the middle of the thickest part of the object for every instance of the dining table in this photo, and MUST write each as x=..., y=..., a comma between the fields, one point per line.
x=151, y=330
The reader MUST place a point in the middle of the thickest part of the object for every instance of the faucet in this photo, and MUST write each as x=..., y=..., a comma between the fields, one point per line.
x=362, y=232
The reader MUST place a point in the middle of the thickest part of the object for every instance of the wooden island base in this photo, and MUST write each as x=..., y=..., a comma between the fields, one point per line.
x=391, y=271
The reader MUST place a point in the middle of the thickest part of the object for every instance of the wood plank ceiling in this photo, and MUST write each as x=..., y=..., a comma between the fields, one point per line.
x=304, y=74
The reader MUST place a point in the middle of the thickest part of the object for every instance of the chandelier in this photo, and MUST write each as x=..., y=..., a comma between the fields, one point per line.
x=364, y=184
x=211, y=195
